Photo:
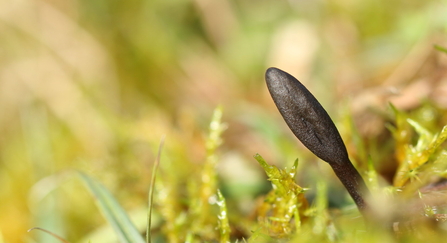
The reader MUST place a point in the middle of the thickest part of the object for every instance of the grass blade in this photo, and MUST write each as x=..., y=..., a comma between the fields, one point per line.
x=441, y=48
x=49, y=232
x=113, y=211
x=151, y=191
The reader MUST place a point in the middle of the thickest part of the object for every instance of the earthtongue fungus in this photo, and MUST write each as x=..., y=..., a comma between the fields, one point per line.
x=312, y=125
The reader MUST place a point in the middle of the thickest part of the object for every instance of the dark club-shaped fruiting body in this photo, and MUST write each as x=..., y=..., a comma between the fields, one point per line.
x=311, y=124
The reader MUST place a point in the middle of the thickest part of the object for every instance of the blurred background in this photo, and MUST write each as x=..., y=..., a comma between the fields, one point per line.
x=94, y=85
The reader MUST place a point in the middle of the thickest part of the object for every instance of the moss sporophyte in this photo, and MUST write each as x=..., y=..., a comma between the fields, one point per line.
x=311, y=124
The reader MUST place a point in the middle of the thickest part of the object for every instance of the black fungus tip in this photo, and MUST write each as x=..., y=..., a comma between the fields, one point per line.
x=305, y=116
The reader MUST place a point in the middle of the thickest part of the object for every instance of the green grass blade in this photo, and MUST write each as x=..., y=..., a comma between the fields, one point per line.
x=113, y=211
x=48, y=232
x=151, y=191
x=441, y=48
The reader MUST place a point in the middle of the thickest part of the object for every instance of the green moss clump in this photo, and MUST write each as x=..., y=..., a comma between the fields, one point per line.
x=284, y=207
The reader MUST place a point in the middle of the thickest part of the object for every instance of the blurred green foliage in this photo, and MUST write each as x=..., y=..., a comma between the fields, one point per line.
x=94, y=85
